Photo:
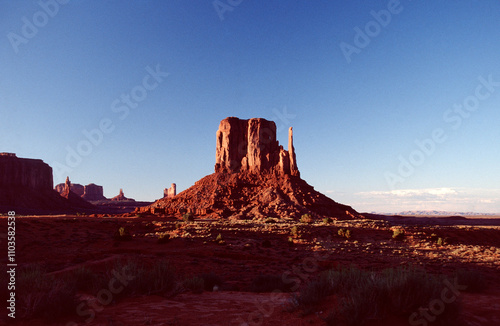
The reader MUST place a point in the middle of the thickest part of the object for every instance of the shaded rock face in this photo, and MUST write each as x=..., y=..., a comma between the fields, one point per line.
x=254, y=178
x=22, y=172
x=26, y=186
x=251, y=145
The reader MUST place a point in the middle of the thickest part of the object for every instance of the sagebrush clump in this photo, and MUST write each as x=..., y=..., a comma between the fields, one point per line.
x=306, y=218
x=346, y=233
x=188, y=217
x=398, y=234
x=367, y=296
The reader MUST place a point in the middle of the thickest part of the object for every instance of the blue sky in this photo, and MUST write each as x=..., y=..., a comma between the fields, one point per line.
x=395, y=105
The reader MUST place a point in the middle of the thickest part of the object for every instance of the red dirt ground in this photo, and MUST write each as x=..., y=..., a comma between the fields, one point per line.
x=64, y=243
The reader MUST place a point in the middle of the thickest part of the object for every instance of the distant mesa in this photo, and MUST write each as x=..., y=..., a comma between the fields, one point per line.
x=121, y=197
x=170, y=192
x=254, y=177
x=90, y=192
x=93, y=192
x=26, y=186
x=73, y=197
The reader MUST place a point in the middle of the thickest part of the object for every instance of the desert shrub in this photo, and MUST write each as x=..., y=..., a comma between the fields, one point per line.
x=408, y=288
x=188, y=217
x=122, y=234
x=294, y=231
x=306, y=218
x=357, y=307
x=365, y=296
x=327, y=220
x=85, y=280
x=210, y=280
x=269, y=283
x=39, y=295
x=163, y=238
x=147, y=279
x=473, y=279
x=195, y=284
x=312, y=294
x=398, y=234
x=346, y=233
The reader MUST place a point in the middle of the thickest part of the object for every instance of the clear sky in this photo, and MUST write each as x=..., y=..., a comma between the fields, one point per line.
x=395, y=105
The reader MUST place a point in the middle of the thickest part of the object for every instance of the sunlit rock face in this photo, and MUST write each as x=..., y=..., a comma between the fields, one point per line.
x=251, y=145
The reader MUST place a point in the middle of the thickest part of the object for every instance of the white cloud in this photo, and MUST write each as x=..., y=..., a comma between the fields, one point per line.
x=441, y=199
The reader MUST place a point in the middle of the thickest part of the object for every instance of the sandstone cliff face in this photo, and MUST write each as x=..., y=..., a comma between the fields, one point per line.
x=254, y=178
x=23, y=172
x=251, y=145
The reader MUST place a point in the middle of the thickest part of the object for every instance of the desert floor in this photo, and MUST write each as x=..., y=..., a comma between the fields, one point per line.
x=250, y=248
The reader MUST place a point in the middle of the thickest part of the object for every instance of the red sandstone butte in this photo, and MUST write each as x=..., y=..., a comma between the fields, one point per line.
x=121, y=197
x=254, y=178
x=251, y=145
x=26, y=188
x=170, y=192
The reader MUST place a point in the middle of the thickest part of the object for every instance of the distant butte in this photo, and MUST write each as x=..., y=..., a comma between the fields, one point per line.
x=26, y=188
x=121, y=197
x=254, y=177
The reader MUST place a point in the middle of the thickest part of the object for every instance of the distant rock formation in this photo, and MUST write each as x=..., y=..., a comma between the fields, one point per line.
x=74, y=187
x=121, y=197
x=90, y=192
x=22, y=172
x=93, y=192
x=254, y=178
x=251, y=145
x=170, y=192
x=73, y=197
x=26, y=186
